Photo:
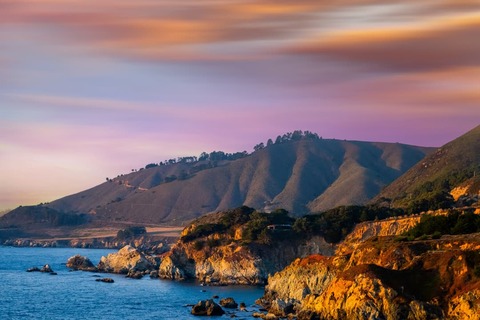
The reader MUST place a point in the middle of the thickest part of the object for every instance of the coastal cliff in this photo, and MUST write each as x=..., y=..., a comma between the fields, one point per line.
x=383, y=278
x=387, y=227
x=237, y=247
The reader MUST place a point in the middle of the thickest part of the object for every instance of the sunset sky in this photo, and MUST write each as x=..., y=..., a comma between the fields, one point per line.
x=92, y=89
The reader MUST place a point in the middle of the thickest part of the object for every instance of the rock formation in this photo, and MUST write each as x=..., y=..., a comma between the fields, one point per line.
x=220, y=249
x=79, y=262
x=234, y=263
x=229, y=303
x=383, y=279
x=207, y=308
x=128, y=260
x=45, y=269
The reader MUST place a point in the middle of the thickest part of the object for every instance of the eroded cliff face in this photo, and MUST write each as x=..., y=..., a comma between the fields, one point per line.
x=465, y=306
x=366, y=230
x=230, y=264
x=383, y=279
x=236, y=262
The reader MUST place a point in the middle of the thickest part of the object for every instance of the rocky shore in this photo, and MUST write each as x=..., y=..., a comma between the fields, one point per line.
x=143, y=243
x=371, y=275
x=383, y=278
x=128, y=261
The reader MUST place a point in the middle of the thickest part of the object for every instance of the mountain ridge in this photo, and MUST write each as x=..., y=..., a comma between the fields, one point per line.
x=428, y=184
x=305, y=175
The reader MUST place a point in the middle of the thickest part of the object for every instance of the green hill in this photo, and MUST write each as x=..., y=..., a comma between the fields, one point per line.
x=428, y=184
x=307, y=175
x=301, y=174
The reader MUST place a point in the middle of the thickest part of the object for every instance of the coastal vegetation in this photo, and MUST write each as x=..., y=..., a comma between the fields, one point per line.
x=332, y=224
x=130, y=232
x=455, y=222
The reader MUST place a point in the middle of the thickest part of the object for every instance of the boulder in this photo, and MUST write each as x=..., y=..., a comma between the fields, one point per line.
x=78, y=262
x=207, y=308
x=126, y=259
x=281, y=307
x=106, y=280
x=47, y=269
x=267, y=316
x=228, y=303
x=135, y=274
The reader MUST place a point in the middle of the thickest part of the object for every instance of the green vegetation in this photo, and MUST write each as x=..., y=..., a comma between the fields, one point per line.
x=257, y=228
x=254, y=226
x=427, y=184
x=336, y=223
x=268, y=228
x=453, y=223
x=130, y=232
x=41, y=215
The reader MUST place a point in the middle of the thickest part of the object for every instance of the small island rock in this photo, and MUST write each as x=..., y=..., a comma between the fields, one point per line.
x=207, y=308
x=228, y=303
x=106, y=280
x=47, y=269
x=126, y=259
x=78, y=262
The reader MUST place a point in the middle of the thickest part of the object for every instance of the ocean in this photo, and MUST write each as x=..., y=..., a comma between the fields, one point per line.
x=76, y=294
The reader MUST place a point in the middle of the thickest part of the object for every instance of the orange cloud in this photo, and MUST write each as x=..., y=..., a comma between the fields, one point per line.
x=439, y=43
x=398, y=34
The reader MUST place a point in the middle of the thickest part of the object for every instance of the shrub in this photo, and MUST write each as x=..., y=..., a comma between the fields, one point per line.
x=423, y=237
x=130, y=232
x=436, y=235
x=198, y=245
x=476, y=271
x=203, y=230
x=453, y=223
x=212, y=243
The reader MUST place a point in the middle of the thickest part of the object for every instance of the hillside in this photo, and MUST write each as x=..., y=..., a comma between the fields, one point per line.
x=306, y=175
x=427, y=185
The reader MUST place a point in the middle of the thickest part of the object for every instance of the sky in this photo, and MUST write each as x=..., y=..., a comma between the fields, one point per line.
x=92, y=89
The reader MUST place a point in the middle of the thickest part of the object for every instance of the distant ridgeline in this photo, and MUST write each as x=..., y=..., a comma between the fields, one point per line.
x=222, y=156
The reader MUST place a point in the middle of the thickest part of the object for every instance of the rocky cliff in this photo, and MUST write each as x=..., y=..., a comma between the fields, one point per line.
x=388, y=227
x=383, y=278
x=239, y=246
x=235, y=263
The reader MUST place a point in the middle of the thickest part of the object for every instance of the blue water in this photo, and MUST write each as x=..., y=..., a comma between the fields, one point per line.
x=76, y=295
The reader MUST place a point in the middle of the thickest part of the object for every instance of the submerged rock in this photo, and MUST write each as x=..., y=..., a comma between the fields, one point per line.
x=33, y=269
x=207, y=308
x=106, y=280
